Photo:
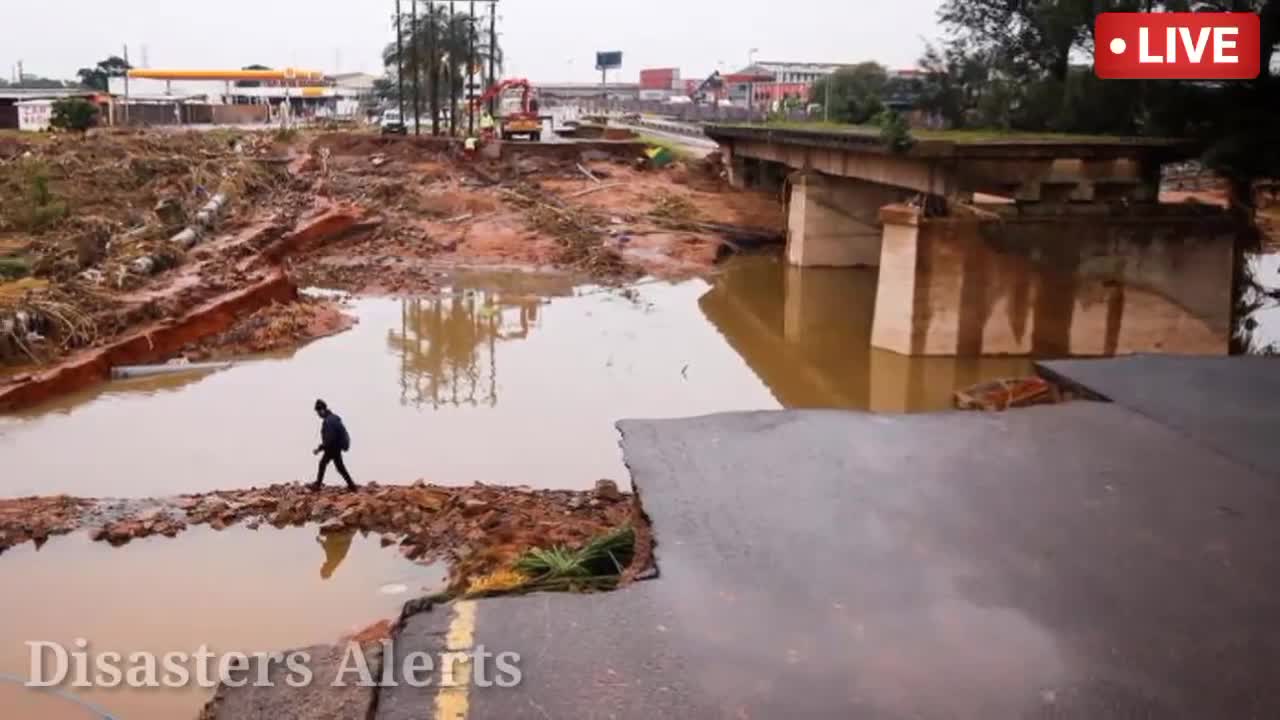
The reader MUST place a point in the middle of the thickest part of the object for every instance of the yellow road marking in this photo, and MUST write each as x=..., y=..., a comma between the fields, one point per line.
x=452, y=698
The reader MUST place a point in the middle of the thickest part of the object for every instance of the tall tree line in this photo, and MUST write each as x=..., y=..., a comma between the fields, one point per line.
x=442, y=45
x=1028, y=65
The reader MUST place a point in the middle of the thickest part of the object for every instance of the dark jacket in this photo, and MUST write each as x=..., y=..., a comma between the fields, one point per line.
x=333, y=434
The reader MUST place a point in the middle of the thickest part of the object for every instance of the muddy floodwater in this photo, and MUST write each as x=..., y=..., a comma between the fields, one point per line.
x=501, y=378
x=508, y=379
x=237, y=590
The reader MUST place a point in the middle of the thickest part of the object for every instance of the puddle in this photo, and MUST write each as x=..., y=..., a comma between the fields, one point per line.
x=241, y=590
x=518, y=384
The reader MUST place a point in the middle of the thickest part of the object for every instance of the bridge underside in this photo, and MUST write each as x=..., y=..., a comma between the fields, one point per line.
x=991, y=249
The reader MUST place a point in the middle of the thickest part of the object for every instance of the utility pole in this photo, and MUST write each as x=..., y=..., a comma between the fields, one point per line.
x=493, y=52
x=126, y=83
x=433, y=67
x=399, y=63
x=826, y=102
x=471, y=69
x=20, y=69
x=413, y=58
x=453, y=76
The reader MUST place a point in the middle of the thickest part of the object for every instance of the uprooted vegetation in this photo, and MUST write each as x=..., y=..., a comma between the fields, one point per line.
x=87, y=223
x=117, y=231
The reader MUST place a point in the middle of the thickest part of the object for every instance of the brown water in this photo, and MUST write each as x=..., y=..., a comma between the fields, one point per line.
x=238, y=590
x=503, y=378
x=520, y=383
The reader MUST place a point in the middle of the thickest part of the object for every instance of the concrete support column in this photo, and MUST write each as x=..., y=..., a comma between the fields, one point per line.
x=737, y=166
x=834, y=222
x=1055, y=281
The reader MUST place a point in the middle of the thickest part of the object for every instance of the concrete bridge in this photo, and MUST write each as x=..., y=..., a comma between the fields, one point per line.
x=1034, y=245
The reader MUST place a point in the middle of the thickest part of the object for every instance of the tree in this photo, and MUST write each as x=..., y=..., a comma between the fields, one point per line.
x=856, y=92
x=1008, y=64
x=98, y=77
x=455, y=44
x=75, y=114
x=42, y=83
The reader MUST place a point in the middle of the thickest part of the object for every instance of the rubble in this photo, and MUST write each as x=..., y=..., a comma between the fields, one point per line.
x=480, y=529
x=107, y=237
x=36, y=519
x=98, y=222
x=1000, y=395
x=540, y=210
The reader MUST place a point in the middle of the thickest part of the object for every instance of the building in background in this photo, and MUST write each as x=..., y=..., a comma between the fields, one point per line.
x=660, y=83
x=31, y=108
x=239, y=96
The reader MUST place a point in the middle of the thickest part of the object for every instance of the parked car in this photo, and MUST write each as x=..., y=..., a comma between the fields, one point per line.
x=393, y=124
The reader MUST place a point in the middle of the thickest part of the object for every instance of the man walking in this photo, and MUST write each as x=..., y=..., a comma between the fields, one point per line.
x=334, y=441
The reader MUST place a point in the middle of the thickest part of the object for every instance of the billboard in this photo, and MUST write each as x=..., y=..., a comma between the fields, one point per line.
x=608, y=60
x=660, y=79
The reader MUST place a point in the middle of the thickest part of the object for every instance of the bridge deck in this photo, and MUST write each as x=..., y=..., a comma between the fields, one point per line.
x=963, y=143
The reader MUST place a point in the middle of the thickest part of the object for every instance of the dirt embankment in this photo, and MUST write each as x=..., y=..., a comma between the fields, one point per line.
x=133, y=247
x=478, y=529
x=277, y=326
x=605, y=216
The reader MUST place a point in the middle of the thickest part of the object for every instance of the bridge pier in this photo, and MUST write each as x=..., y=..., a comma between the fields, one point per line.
x=1055, y=280
x=748, y=173
x=834, y=222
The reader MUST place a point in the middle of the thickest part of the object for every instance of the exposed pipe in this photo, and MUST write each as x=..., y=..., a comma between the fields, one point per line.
x=129, y=372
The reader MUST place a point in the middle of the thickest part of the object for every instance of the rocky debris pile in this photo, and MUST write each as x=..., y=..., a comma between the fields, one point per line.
x=479, y=529
x=1001, y=395
x=36, y=519
x=152, y=521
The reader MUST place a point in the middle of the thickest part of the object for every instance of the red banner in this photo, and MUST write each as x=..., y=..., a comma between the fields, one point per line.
x=1177, y=46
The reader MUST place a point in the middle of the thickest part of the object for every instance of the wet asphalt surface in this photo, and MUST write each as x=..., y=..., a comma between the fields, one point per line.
x=1075, y=561
x=1229, y=404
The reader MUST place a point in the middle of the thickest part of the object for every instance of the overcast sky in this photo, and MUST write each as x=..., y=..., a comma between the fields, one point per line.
x=547, y=40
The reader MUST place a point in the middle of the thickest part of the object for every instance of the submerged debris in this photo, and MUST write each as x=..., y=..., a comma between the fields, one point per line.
x=1000, y=395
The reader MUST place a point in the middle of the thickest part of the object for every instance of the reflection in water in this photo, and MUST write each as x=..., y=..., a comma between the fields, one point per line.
x=248, y=591
x=448, y=345
x=806, y=332
x=336, y=546
x=418, y=383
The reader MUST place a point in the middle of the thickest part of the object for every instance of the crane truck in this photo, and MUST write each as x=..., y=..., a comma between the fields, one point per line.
x=521, y=120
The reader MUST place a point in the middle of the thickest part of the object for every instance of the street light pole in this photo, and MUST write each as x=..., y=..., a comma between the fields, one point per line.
x=433, y=67
x=453, y=66
x=493, y=51
x=471, y=69
x=826, y=102
x=399, y=63
x=413, y=58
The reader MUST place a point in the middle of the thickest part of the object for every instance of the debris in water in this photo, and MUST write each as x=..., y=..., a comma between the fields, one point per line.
x=1000, y=395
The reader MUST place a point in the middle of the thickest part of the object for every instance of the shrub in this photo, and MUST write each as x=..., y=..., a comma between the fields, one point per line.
x=75, y=114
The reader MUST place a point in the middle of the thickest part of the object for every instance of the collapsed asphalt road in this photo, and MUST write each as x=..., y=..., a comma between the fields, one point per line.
x=1070, y=561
